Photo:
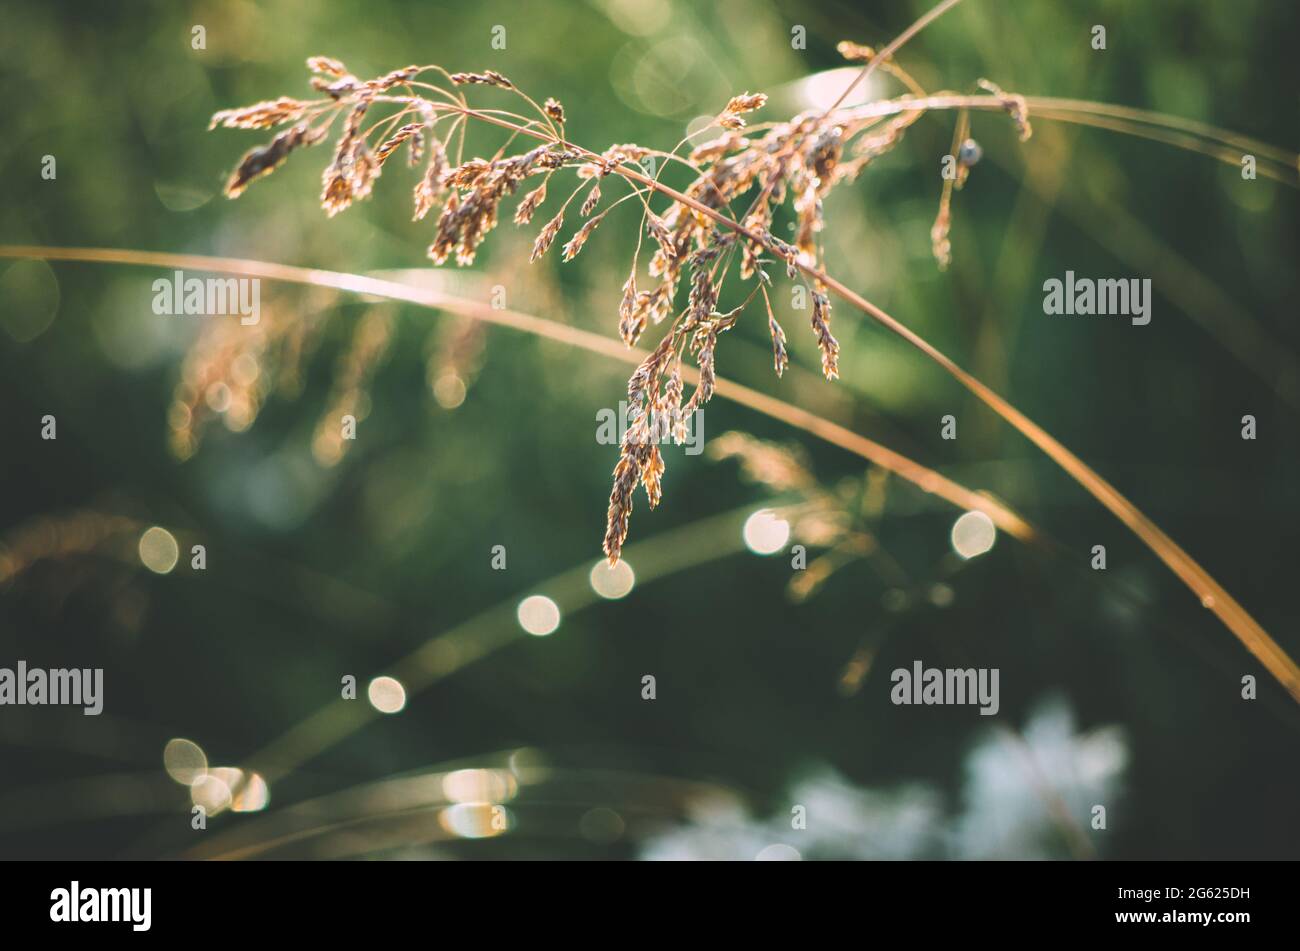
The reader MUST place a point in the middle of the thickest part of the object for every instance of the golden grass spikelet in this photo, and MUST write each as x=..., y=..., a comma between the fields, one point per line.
x=704, y=359
x=364, y=170
x=261, y=115
x=709, y=152
x=432, y=183
x=393, y=142
x=627, y=473
x=580, y=237
x=808, y=212
x=644, y=378
x=326, y=66
x=441, y=248
x=528, y=205
x=787, y=252
x=780, y=358
x=336, y=192
x=463, y=225
x=829, y=346
x=336, y=90
x=825, y=156
x=486, y=78
x=652, y=471
x=546, y=237
x=468, y=174
x=349, y=175
x=554, y=110
x=662, y=236
x=395, y=78
x=671, y=408
x=629, y=309
x=704, y=293
x=746, y=102
x=591, y=201
x=627, y=152
x=265, y=159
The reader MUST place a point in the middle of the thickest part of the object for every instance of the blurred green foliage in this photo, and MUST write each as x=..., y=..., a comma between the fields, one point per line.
x=318, y=573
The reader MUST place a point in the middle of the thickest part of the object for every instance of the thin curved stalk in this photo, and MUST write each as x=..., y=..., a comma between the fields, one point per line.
x=1217, y=143
x=1184, y=140
x=1242, y=143
x=925, y=478
x=893, y=47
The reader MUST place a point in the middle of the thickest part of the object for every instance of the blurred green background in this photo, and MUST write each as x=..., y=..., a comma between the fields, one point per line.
x=1119, y=686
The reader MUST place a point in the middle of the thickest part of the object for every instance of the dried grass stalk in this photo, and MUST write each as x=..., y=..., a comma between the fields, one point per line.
x=800, y=160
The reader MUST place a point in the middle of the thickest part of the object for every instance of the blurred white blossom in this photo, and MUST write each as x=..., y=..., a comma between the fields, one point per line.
x=1004, y=801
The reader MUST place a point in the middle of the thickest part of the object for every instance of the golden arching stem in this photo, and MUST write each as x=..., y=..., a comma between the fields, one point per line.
x=924, y=478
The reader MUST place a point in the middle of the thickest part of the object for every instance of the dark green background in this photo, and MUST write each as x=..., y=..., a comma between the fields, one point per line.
x=746, y=678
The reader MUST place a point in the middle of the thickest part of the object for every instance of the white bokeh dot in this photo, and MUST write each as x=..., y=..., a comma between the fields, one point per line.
x=387, y=695
x=612, y=581
x=539, y=615
x=765, y=533
x=973, y=534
